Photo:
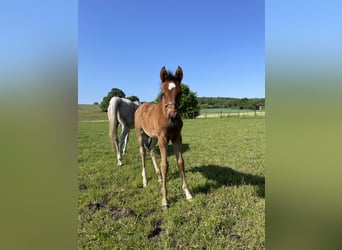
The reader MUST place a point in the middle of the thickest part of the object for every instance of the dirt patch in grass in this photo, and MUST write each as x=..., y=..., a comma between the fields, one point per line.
x=121, y=212
x=95, y=206
x=115, y=212
x=83, y=186
x=155, y=230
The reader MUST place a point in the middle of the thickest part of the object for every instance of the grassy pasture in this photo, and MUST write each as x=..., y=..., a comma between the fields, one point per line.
x=88, y=112
x=224, y=163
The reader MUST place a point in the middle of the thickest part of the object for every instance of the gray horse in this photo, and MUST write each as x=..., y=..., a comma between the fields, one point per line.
x=120, y=111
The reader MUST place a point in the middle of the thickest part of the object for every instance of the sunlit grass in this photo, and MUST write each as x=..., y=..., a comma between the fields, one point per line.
x=224, y=163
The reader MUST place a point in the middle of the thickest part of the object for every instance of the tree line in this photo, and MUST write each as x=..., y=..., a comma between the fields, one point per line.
x=188, y=107
x=190, y=104
x=233, y=103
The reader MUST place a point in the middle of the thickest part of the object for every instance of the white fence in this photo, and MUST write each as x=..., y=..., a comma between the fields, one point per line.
x=231, y=113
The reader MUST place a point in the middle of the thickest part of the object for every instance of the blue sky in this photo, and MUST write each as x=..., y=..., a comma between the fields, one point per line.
x=123, y=44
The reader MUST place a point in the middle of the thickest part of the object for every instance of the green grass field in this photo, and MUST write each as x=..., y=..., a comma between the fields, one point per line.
x=88, y=112
x=225, y=168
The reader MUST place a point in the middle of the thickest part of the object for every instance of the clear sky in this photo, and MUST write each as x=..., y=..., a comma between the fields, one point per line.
x=124, y=44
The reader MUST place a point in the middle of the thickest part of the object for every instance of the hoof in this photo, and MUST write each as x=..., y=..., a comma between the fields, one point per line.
x=120, y=163
x=164, y=205
x=188, y=195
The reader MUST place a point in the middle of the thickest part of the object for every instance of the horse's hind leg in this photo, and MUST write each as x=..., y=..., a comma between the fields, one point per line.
x=125, y=143
x=113, y=135
x=124, y=139
x=180, y=163
x=124, y=133
x=153, y=157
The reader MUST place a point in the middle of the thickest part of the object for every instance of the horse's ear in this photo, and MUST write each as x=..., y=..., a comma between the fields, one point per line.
x=179, y=73
x=163, y=74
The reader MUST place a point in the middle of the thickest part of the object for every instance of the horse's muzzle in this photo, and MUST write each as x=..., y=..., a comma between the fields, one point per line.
x=171, y=109
x=172, y=114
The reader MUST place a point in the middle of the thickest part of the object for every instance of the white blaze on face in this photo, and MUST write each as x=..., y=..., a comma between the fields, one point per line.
x=171, y=85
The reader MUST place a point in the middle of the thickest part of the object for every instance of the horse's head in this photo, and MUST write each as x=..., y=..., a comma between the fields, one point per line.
x=171, y=91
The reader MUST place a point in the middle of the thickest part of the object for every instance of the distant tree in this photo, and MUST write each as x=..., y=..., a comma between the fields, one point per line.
x=188, y=107
x=243, y=103
x=133, y=98
x=96, y=103
x=105, y=101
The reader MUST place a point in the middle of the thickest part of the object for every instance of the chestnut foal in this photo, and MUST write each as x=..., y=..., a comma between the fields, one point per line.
x=162, y=122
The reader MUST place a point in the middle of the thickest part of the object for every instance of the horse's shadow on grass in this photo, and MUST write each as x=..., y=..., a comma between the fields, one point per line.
x=226, y=176
x=170, y=151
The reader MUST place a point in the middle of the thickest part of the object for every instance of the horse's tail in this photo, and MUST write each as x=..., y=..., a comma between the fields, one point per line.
x=113, y=121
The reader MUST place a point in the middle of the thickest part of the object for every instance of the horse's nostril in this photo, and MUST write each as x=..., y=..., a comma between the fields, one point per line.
x=172, y=114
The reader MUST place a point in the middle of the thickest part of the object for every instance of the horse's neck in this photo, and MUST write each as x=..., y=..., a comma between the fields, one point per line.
x=162, y=109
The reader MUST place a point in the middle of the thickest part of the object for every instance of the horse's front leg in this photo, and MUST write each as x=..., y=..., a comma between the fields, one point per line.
x=180, y=162
x=153, y=157
x=143, y=172
x=142, y=139
x=164, y=168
